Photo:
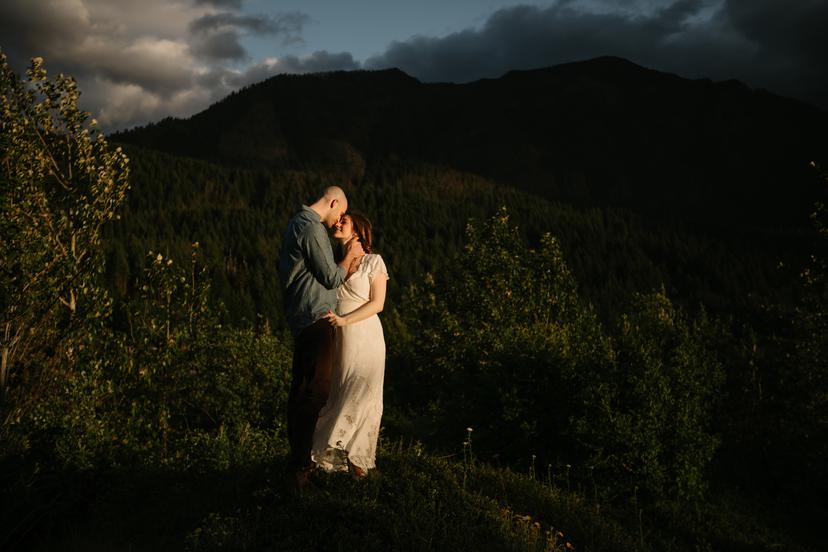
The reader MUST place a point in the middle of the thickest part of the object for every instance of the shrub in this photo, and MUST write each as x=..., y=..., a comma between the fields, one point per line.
x=508, y=347
x=667, y=381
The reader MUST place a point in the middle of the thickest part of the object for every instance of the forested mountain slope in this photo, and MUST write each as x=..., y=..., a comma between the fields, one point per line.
x=599, y=132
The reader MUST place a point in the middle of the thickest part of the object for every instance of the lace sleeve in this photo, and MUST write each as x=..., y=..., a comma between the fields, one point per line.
x=377, y=268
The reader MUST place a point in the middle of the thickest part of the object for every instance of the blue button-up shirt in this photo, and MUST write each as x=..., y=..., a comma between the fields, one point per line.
x=307, y=271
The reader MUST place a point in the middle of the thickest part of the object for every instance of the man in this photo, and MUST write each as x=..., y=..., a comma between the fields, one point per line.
x=309, y=279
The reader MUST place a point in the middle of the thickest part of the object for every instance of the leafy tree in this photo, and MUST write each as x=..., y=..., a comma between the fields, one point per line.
x=507, y=345
x=661, y=437
x=59, y=183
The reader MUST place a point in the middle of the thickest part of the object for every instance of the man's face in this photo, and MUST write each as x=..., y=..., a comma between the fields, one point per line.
x=338, y=208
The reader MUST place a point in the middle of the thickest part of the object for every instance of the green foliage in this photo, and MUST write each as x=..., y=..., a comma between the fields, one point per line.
x=169, y=387
x=784, y=421
x=509, y=347
x=59, y=183
x=667, y=379
x=501, y=346
x=494, y=333
x=419, y=213
x=179, y=388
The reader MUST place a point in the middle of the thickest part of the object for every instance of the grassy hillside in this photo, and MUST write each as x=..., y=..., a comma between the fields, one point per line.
x=416, y=501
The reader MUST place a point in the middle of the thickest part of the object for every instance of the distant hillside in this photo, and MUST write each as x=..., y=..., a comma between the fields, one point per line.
x=593, y=133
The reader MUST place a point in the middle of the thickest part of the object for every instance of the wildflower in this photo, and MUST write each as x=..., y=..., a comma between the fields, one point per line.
x=159, y=258
x=469, y=429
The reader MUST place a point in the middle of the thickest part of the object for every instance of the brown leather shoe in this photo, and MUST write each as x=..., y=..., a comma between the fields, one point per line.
x=299, y=482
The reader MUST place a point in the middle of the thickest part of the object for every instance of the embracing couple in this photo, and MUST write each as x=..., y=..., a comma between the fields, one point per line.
x=331, y=303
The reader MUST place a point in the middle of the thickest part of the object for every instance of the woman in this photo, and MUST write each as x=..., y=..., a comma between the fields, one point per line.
x=348, y=426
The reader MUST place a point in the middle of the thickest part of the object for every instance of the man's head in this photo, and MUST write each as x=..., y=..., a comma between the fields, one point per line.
x=331, y=205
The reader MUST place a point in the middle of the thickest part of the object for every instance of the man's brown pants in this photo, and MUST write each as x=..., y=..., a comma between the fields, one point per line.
x=312, y=363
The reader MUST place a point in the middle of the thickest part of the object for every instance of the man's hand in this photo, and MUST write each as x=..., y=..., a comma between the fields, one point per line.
x=353, y=249
x=335, y=320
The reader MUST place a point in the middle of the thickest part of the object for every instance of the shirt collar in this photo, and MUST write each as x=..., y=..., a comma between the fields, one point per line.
x=313, y=214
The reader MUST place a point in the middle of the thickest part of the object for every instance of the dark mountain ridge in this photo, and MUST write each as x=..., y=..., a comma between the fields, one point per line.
x=592, y=133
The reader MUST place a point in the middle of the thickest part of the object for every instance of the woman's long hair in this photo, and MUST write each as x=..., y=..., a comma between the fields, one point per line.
x=363, y=230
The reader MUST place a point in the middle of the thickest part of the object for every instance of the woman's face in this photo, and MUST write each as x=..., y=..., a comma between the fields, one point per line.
x=344, y=229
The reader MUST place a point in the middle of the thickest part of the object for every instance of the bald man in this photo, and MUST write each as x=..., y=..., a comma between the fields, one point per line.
x=309, y=279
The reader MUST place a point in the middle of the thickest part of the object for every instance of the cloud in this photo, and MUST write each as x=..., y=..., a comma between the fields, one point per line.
x=219, y=46
x=791, y=41
x=221, y=3
x=763, y=42
x=524, y=37
x=288, y=24
x=47, y=25
x=141, y=61
x=217, y=35
x=317, y=62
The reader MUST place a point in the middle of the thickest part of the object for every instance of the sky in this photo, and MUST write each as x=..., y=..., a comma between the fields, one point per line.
x=140, y=61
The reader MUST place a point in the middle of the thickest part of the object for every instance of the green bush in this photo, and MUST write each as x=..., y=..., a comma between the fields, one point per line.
x=178, y=388
x=504, y=345
x=667, y=381
x=508, y=347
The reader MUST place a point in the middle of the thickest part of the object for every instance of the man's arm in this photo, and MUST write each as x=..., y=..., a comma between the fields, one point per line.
x=375, y=304
x=319, y=257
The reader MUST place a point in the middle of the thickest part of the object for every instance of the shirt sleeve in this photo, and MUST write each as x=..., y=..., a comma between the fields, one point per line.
x=319, y=258
x=377, y=268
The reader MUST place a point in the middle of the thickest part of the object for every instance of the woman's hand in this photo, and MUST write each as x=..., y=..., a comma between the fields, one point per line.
x=335, y=320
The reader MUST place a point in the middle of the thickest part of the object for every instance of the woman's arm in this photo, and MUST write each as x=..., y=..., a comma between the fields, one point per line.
x=375, y=303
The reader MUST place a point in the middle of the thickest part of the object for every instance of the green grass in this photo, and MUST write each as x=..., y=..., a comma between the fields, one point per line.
x=415, y=501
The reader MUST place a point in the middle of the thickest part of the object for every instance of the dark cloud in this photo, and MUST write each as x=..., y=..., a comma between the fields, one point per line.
x=70, y=39
x=217, y=35
x=220, y=3
x=766, y=43
x=29, y=29
x=289, y=24
x=523, y=37
x=218, y=45
x=792, y=42
x=794, y=28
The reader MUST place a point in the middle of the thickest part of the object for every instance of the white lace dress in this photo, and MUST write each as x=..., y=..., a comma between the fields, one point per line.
x=348, y=425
